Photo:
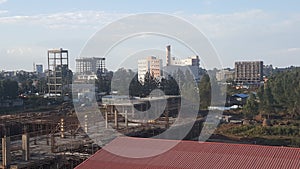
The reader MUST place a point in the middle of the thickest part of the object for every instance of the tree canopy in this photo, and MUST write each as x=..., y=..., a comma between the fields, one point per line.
x=8, y=89
x=281, y=93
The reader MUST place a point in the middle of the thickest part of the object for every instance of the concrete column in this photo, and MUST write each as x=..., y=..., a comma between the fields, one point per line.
x=106, y=119
x=52, y=138
x=62, y=128
x=6, y=156
x=126, y=119
x=86, y=123
x=35, y=129
x=25, y=147
x=47, y=141
x=116, y=119
x=167, y=119
x=132, y=110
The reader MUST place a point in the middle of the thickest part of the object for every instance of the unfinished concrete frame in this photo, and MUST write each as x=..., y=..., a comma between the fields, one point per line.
x=58, y=61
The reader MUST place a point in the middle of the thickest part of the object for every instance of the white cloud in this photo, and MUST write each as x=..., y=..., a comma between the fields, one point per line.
x=216, y=25
x=293, y=49
x=2, y=1
x=3, y=12
x=253, y=33
x=286, y=51
x=19, y=51
x=230, y=25
x=66, y=20
x=22, y=57
x=284, y=57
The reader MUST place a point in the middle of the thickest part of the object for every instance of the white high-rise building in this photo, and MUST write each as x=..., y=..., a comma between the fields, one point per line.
x=151, y=65
x=191, y=63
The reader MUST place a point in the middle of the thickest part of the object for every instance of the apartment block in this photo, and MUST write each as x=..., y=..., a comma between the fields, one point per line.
x=151, y=65
x=248, y=72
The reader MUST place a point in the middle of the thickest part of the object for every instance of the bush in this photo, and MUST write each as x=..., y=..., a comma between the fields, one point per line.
x=269, y=131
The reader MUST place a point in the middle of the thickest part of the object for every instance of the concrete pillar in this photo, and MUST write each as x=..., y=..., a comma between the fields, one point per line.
x=35, y=129
x=132, y=110
x=47, y=141
x=126, y=119
x=86, y=123
x=52, y=138
x=116, y=119
x=62, y=128
x=106, y=119
x=25, y=147
x=167, y=119
x=6, y=156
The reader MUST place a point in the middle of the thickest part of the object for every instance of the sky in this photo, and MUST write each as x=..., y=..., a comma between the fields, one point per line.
x=239, y=30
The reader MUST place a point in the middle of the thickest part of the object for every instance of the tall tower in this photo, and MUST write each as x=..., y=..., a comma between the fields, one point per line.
x=58, y=72
x=168, y=55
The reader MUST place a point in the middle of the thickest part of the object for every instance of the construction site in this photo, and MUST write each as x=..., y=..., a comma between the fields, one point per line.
x=51, y=139
x=63, y=138
x=69, y=132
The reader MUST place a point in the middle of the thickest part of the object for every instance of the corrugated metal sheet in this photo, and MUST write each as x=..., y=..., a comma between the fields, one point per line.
x=194, y=155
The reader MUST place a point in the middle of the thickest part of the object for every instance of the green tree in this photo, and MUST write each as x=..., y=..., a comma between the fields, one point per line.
x=135, y=87
x=42, y=85
x=251, y=107
x=205, y=92
x=121, y=80
x=281, y=93
x=150, y=84
x=8, y=89
x=266, y=105
x=103, y=82
x=179, y=77
x=170, y=86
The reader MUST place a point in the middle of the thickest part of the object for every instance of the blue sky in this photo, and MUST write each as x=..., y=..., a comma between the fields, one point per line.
x=30, y=7
x=239, y=30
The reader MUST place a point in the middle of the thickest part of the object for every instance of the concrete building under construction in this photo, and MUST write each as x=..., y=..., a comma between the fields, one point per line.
x=58, y=72
x=90, y=65
x=249, y=72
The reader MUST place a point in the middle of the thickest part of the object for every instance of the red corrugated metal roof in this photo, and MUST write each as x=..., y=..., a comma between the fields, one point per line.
x=192, y=155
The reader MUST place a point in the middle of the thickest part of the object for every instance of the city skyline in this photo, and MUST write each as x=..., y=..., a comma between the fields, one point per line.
x=150, y=84
x=256, y=31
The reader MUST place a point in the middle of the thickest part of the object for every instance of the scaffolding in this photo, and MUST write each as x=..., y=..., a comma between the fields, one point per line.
x=58, y=72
